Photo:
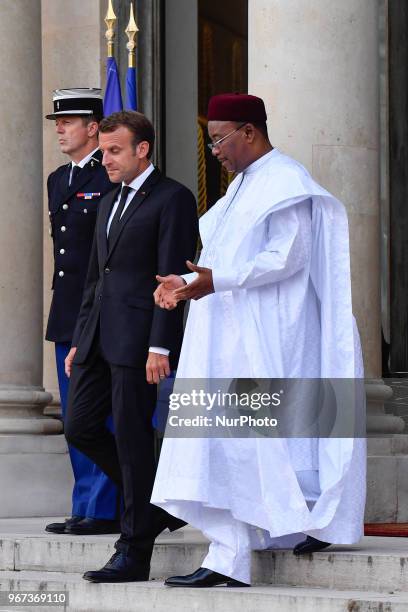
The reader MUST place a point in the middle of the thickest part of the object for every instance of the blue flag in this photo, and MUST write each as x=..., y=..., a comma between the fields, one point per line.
x=131, y=89
x=112, y=101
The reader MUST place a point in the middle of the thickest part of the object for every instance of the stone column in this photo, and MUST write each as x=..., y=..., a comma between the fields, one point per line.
x=31, y=463
x=22, y=398
x=316, y=64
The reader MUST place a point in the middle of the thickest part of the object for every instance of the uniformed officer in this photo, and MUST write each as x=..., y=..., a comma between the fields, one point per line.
x=74, y=192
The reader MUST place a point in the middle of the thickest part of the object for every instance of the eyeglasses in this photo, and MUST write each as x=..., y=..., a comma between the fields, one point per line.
x=212, y=145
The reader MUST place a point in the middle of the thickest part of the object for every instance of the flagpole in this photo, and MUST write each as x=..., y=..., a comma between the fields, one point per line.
x=131, y=32
x=110, y=20
x=131, y=81
x=112, y=101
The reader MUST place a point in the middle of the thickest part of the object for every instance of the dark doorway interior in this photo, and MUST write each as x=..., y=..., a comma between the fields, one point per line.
x=222, y=67
x=398, y=164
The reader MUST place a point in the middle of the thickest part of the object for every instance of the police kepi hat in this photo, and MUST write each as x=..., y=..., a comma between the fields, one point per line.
x=236, y=107
x=80, y=101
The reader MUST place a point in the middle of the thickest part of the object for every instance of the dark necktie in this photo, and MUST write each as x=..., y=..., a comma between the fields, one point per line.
x=115, y=225
x=75, y=171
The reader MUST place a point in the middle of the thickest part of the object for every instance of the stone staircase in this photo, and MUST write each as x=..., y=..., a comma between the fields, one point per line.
x=369, y=577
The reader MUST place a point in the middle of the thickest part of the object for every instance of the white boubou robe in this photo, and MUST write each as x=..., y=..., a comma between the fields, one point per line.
x=278, y=246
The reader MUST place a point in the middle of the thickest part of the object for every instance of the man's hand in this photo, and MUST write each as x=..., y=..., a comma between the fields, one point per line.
x=68, y=361
x=157, y=368
x=164, y=294
x=200, y=287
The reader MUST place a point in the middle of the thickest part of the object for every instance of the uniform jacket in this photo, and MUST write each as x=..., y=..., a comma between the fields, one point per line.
x=159, y=231
x=72, y=214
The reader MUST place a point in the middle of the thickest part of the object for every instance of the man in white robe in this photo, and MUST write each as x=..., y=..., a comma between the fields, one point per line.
x=271, y=299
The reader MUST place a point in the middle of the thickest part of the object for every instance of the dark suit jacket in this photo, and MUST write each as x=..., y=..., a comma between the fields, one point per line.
x=72, y=246
x=159, y=231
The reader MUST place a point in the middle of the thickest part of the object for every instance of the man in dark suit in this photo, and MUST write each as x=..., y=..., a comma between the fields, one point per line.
x=74, y=192
x=123, y=344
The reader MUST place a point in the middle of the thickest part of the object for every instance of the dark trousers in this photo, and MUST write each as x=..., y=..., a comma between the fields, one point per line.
x=96, y=389
x=94, y=495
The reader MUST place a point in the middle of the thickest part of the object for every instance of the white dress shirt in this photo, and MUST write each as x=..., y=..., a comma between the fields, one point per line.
x=81, y=163
x=134, y=187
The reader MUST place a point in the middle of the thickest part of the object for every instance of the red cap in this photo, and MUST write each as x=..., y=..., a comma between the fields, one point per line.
x=236, y=107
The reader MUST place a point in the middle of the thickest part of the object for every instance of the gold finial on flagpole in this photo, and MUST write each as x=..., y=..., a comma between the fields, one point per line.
x=110, y=19
x=131, y=32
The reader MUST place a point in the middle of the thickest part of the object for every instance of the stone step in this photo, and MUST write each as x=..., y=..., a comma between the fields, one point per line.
x=152, y=595
x=379, y=564
x=35, y=475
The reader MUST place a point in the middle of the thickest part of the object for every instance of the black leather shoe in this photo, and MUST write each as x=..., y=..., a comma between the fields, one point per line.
x=92, y=526
x=120, y=568
x=310, y=545
x=60, y=527
x=203, y=577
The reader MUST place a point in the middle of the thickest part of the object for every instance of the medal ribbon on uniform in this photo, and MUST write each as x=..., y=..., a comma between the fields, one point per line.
x=88, y=196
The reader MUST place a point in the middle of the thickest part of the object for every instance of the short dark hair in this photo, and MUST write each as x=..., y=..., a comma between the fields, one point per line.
x=135, y=122
x=87, y=119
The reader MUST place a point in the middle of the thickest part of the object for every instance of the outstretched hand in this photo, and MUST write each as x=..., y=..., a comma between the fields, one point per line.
x=164, y=294
x=173, y=288
x=200, y=287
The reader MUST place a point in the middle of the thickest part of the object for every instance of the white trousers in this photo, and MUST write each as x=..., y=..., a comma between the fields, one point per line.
x=230, y=553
